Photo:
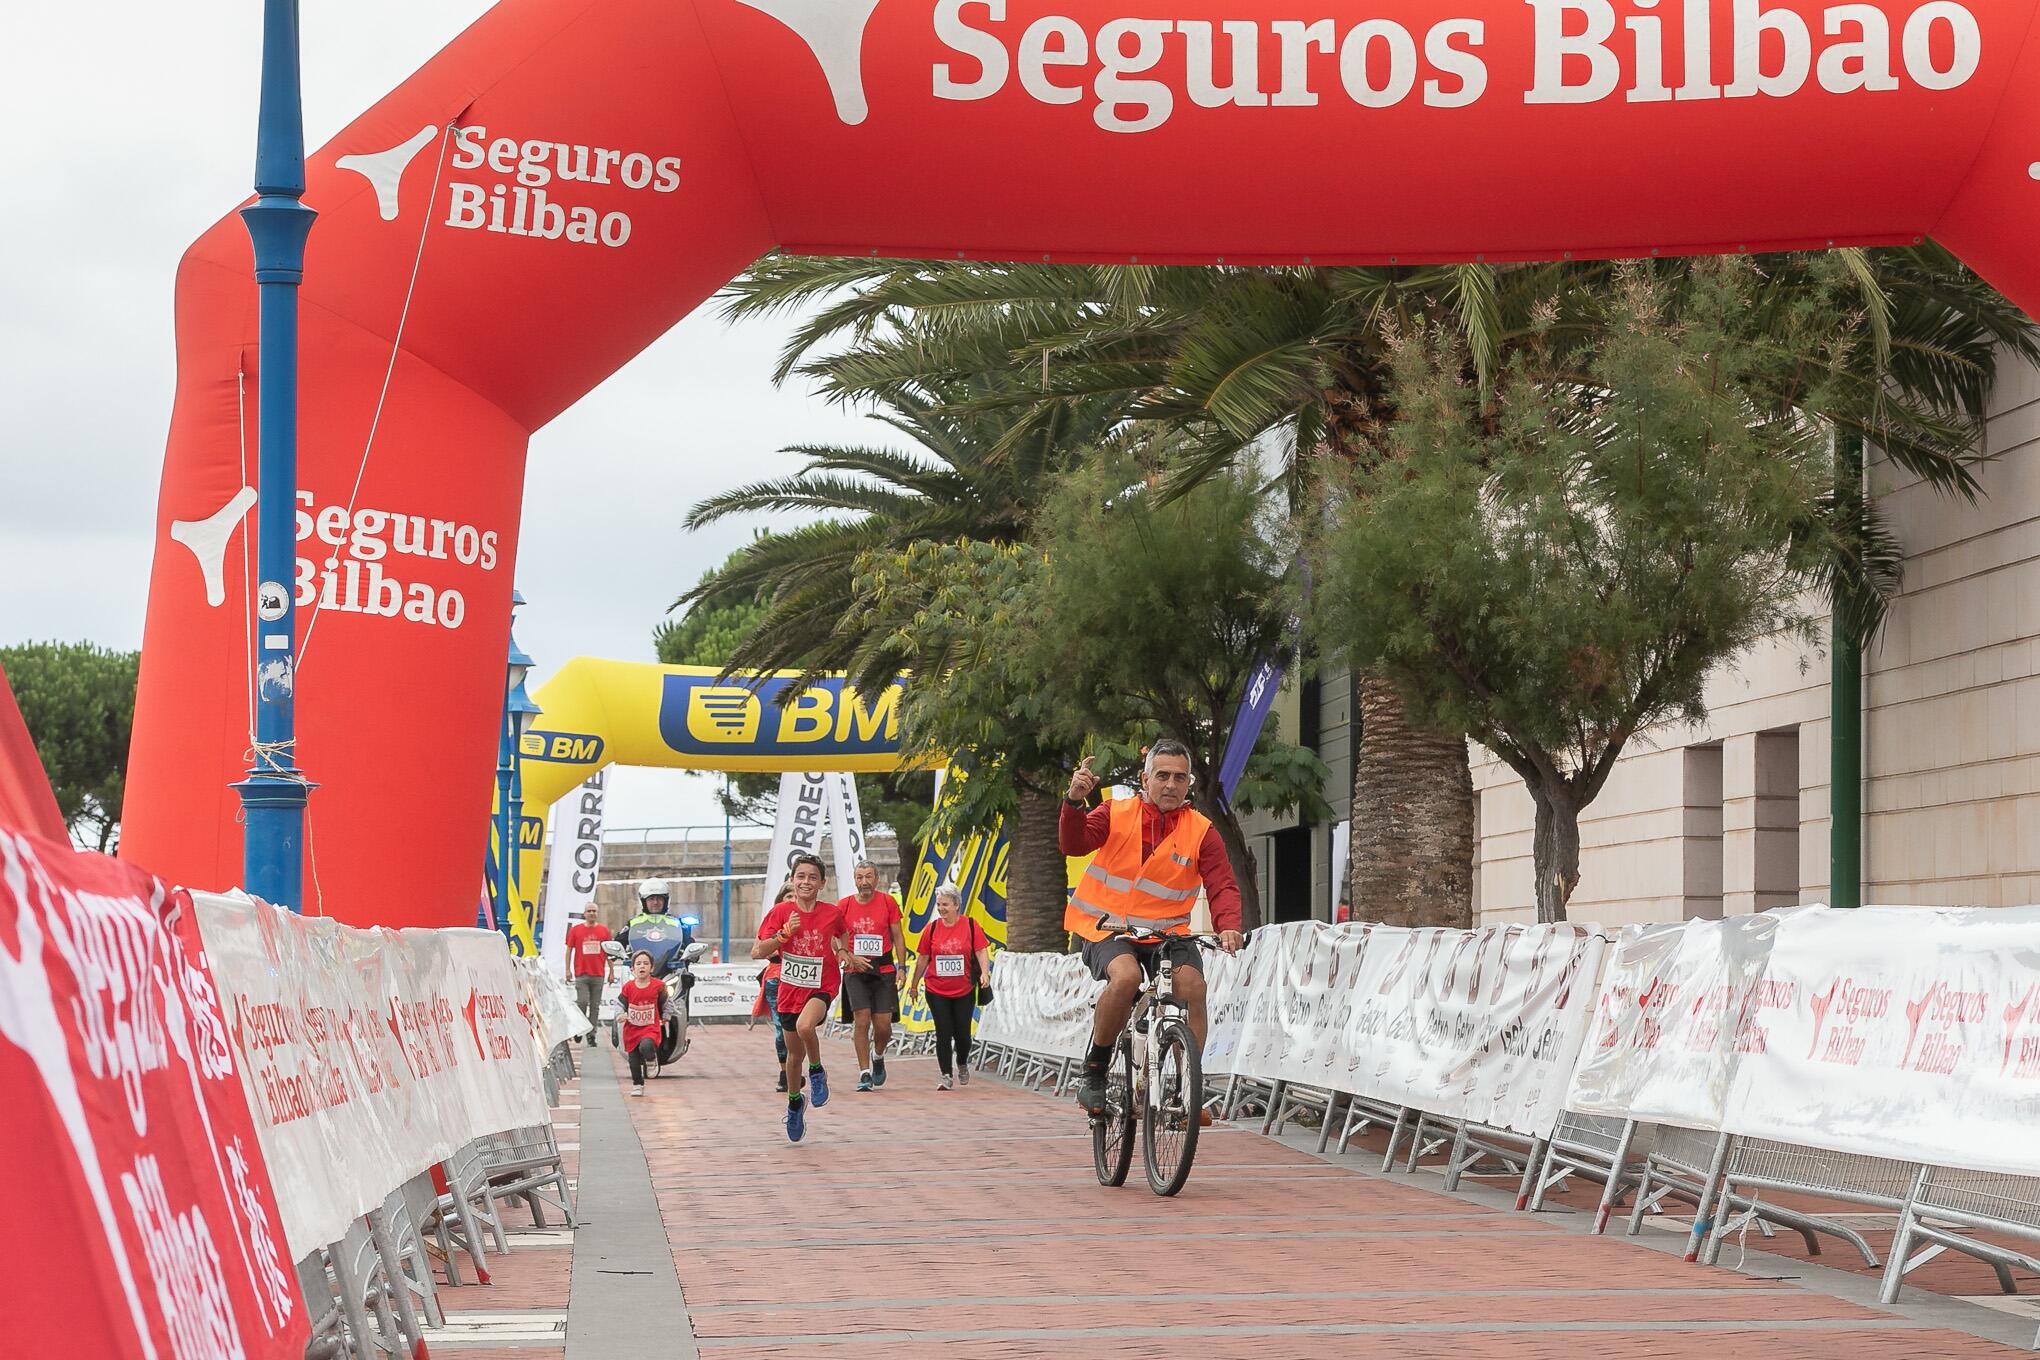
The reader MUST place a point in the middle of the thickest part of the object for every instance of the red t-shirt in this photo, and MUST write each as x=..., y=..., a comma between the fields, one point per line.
x=948, y=950
x=644, y=1005
x=584, y=949
x=771, y=964
x=807, y=962
x=869, y=926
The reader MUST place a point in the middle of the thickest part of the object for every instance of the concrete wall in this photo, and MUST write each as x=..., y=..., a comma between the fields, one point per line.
x=1733, y=817
x=627, y=862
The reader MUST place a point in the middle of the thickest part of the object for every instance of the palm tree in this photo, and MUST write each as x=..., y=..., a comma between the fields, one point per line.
x=1238, y=359
x=975, y=470
x=1225, y=358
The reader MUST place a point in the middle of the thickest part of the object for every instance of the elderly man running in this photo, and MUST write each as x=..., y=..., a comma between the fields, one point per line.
x=1153, y=852
x=878, y=953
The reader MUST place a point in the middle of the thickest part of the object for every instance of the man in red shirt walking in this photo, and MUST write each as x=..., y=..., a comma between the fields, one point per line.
x=807, y=936
x=588, y=967
x=1153, y=853
x=878, y=953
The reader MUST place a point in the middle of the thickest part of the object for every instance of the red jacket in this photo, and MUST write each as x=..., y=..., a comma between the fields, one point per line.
x=1080, y=832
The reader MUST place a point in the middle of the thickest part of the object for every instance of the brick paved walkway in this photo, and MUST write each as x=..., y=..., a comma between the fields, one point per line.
x=969, y=1220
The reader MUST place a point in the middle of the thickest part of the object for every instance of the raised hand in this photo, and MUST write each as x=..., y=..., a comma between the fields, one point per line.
x=1083, y=782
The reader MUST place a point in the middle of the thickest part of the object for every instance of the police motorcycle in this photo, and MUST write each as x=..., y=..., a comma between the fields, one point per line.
x=669, y=941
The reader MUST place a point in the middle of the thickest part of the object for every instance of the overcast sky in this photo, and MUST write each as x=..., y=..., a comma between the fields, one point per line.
x=131, y=130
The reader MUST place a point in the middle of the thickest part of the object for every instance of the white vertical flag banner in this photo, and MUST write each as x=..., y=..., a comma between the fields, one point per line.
x=846, y=829
x=803, y=819
x=571, y=872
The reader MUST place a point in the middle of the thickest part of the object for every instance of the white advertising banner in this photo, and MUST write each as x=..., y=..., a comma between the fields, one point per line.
x=802, y=821
x=846, y=830
x=555, y=1012
x=572, y=869
x=367, y=1055
x=1481, y=1025
x=1042, y=1003
x=1903, y=1032
x=724, y=988
x=1677, y=1004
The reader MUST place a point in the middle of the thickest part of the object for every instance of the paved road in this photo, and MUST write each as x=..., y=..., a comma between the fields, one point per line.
x=969, y=1220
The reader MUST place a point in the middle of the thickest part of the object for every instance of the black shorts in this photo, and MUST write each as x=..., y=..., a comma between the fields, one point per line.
x=878, y=993
x=1183, y=952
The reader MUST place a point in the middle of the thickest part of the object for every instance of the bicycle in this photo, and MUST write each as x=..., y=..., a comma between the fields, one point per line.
x=1155, y=1076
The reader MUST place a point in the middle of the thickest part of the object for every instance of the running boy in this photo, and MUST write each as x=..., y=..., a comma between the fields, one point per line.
x=810, y=939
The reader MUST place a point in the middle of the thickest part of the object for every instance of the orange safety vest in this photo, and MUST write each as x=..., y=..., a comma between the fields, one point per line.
x=1121, y=887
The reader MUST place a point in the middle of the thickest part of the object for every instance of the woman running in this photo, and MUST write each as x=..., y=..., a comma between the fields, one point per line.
x=947, y=947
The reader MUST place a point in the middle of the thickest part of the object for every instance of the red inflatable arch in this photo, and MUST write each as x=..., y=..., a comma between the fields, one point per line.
x=563, y=182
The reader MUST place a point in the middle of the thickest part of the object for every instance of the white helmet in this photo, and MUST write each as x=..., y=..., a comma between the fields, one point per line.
x=654, y=887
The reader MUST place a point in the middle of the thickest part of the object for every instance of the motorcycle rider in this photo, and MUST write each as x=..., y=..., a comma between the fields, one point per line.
x=654, y=929
x=656, y=932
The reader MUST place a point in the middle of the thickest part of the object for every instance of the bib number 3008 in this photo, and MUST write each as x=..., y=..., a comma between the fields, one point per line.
x=796, y=970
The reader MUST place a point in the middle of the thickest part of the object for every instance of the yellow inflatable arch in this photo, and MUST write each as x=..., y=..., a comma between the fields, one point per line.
x=596, y=713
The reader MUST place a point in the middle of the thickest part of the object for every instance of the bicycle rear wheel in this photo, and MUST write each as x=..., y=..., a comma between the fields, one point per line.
x=1173, y=1110
x=1112, y=1131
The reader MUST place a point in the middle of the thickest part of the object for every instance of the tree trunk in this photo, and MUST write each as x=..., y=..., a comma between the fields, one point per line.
x=1412, y=835
x=1555, y=851
x=1243, y=865
x=1036, y=876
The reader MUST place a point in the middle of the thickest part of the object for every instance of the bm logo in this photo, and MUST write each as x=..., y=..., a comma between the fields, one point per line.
x=571, y=748
x=698, y=716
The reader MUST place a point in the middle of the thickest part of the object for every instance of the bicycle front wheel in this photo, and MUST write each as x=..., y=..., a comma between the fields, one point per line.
x=1112, y=1131
x=1173, y=1110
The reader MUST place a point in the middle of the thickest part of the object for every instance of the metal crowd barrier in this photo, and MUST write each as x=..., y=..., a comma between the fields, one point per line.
x=373, y=1293
x=1598, y=1147
x=1723, y=1177
x=1944, y=1202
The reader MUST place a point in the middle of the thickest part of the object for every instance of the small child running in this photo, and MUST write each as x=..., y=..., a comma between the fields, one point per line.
x=643, y=999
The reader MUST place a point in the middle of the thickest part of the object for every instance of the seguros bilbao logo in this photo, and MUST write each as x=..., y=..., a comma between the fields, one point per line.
x=1135, y=73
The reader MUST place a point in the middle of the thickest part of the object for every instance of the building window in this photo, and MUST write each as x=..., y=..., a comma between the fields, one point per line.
x=1700, y=833
x=1777, y=819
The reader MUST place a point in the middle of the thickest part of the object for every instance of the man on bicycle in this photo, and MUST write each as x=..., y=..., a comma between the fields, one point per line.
x=1153, y=852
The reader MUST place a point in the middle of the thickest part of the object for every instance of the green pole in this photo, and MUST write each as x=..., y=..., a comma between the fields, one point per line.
x=1845, y=712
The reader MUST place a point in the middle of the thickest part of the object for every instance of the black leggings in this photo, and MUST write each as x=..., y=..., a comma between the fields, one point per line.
x=644, y=1055
x=952, y=1015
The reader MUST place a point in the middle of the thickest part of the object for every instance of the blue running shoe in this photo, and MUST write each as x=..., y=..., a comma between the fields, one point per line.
x=818, y=1087
x=796, y=1119
x=878, y=1071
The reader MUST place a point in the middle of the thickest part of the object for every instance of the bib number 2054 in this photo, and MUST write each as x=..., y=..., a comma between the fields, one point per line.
x=796, y=970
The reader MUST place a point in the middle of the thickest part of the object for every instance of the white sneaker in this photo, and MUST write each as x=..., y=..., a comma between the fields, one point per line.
x=945, y=1084
x=963, y=1076
x=638, y=1089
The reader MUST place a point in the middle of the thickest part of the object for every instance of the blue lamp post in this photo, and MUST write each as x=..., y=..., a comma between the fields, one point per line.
x=273, y=794
x=518, y=711
x=726, y=868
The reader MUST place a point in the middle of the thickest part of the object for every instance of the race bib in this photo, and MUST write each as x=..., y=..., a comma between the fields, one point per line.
x=949, y=965
x=591, y=946
x=640, y=1014
x=796, y=970
x=868, y=946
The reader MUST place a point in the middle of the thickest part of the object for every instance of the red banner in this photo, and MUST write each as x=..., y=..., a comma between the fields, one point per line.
x=140, y=1218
